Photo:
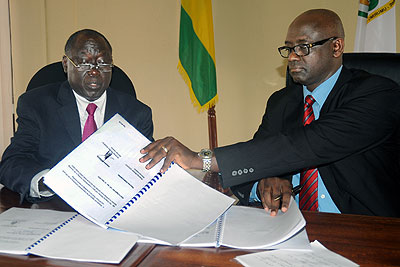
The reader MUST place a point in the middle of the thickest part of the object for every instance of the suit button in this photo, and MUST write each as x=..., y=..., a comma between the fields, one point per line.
x=234, y=173
x=240, y=172
x=251, y=170
x=245, y=171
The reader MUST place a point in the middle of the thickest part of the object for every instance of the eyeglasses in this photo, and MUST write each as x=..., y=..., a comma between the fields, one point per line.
x=301, y=50
x=88, y=66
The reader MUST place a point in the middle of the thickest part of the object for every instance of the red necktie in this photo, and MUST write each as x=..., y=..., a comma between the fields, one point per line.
x=90, y=124
x=309, y=177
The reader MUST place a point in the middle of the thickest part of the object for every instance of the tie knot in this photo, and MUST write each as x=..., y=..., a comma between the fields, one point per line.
x=91, y=108
x=310, y=100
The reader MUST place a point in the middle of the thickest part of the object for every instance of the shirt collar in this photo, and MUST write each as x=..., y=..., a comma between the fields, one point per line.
x=322, y=91
x=99, y=102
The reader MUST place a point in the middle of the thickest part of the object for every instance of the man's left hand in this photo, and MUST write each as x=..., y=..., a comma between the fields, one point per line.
x=272, y=188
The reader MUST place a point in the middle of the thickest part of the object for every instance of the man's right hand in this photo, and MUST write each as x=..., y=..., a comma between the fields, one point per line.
x=172, y=150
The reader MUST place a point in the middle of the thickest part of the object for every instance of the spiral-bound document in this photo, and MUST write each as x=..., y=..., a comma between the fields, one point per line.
x=61, y=235
x=252, y=228
x=104, y=181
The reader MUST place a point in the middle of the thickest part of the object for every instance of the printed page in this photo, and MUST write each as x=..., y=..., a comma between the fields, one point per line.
x=319, y=256
x=81, y=240
x=20, y=228
x=174, y=209
x=103, y=173
x=253, y=228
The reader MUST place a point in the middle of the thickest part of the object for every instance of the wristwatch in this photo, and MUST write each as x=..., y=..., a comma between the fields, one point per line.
x=206, y=155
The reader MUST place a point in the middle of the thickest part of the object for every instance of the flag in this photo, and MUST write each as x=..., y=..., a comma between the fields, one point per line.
x=197, y=53
x=376, y=26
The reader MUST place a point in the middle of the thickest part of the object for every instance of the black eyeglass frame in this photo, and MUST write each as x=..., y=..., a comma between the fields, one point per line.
x=303, y=46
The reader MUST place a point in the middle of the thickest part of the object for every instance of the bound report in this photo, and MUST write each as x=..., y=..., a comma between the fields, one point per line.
x=252, y=228
x=61, y=235
x=104, y=181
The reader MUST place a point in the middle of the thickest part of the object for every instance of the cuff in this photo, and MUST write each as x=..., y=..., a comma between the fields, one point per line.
x=34, y=190
x=253, y=194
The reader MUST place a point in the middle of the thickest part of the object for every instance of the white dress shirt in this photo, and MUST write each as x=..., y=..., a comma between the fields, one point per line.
x=82, y=103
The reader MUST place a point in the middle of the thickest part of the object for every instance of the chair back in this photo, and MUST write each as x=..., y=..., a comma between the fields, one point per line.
x=54, y=72
x=383, y=64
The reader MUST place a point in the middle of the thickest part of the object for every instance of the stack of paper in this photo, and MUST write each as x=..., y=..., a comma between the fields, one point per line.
x=105, y=182
x=61, y=235
x=251, y=228
x=318, y=256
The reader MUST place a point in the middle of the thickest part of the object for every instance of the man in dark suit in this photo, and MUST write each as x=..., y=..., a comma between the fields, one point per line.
x=53, y=119
x=335, y=133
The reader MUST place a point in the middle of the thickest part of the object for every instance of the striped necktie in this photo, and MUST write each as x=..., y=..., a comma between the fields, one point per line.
x=309, y=177
x=90, y=124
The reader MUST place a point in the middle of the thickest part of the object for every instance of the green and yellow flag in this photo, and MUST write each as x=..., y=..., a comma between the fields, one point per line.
x=197, y=53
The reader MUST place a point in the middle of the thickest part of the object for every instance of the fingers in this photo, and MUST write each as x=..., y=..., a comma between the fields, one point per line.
x=170, y=149
x=155, y=152
x=285, y=200
x=275, y=193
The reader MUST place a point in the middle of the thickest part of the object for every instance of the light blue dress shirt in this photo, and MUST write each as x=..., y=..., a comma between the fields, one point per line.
x=325, y=202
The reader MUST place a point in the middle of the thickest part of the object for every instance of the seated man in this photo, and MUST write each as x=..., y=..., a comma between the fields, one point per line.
x=55, y=118
x=335, y=133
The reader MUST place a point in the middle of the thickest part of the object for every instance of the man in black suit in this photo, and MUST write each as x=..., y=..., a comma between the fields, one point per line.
x=52, y=118
x=349, y=143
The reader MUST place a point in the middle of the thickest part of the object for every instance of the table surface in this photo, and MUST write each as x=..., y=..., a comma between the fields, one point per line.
x=366, y=240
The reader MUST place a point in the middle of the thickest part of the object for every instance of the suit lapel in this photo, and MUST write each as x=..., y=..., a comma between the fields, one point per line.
x=68, y=112
x=112, y=105
x=293, y=115
x=332, y=98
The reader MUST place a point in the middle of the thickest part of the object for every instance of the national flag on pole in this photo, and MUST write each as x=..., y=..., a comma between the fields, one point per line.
x=376, y=26
x=197, y=53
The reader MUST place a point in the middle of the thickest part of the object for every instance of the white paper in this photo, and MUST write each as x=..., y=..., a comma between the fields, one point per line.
x=251, y=228
x=319, y=256
x=104, y=181
x=61, y=235
x=103, y=173
x=297, y=242
x=81, y=240
x=176, y=208
x=20, y=228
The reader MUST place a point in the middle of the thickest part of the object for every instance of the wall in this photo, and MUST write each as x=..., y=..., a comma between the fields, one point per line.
x=144, y=35
x=6, y=99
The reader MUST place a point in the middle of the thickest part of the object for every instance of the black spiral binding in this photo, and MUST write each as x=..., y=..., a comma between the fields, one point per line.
x=51, y=232
x=137, y=196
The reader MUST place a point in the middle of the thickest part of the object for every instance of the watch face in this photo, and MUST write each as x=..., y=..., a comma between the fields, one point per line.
x=206, y=153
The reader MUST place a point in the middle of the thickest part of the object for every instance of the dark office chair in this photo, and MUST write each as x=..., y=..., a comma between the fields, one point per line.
x=384, y=64
x=54, y=72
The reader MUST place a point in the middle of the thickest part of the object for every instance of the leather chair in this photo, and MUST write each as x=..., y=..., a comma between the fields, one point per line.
x=384, y=64
x=54, y=72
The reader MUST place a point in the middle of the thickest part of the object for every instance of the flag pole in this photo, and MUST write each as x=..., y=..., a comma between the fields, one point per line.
x=211, y=178
x=212, y=128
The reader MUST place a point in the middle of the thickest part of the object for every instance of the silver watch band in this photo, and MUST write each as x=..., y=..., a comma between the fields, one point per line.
x=206, y=165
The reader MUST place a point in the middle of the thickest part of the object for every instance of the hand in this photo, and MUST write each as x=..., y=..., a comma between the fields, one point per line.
x=271, y=188
x=172, y=150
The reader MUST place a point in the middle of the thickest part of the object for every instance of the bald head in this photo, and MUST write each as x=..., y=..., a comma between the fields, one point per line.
x=325, y=23
x=320, y=32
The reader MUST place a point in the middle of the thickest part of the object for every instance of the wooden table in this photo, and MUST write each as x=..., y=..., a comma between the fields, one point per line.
x=366, y=240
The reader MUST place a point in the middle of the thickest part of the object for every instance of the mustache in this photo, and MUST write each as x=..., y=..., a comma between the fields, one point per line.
x=295, y=64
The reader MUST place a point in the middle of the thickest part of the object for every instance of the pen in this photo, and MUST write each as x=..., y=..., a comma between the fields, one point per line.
x=295, y=191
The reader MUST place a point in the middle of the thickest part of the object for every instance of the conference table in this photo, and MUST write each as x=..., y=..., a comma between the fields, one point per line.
x=366, y=240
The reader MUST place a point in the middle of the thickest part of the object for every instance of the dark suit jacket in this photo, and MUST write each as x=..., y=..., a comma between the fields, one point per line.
x=354, y=144
x=49, y=128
